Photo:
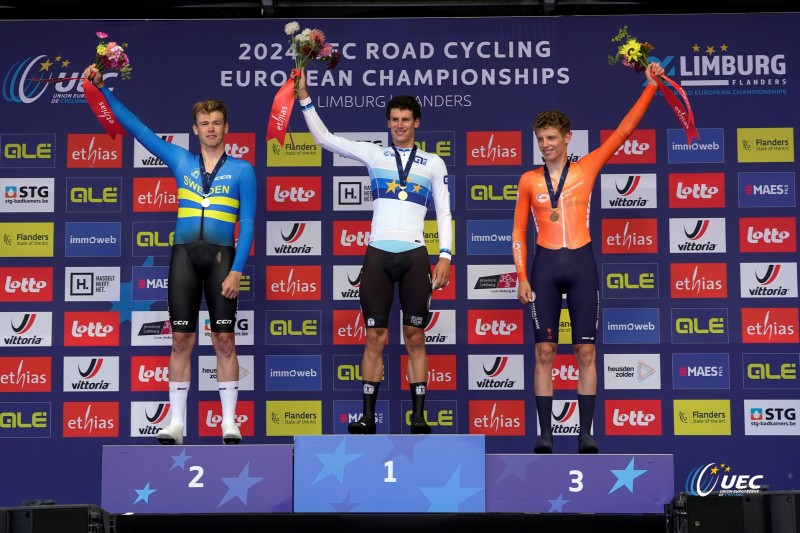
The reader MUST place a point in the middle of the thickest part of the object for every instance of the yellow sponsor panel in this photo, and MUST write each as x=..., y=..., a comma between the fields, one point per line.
x=765, y=145
x=702, y=417
x=298, y=150
x=26, y=239
x=564, y=327
x=432, y=237
x=288, y=418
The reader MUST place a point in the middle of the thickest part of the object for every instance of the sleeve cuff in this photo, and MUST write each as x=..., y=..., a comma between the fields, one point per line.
x=305, y=103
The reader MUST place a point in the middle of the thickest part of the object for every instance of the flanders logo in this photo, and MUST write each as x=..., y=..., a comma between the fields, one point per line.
x=29, y=239
x=765, y=145
x=702, y=417
x=288, y=418
x=299, y=150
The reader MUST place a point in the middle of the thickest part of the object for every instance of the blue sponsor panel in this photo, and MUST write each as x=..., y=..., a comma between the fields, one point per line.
x=767, y=189
x=23, y=150
x=389, y=474
x=770, y=371
x=699, y=326
x=294, y=372
x=197, y=479
x=493, y=192
x=630, y=280
x=710, y=148
x=152, y=238
x=346, y=411
x=629, y=325
x=347, y=373
x=294, y=327
x=93, y=195
x=701, y=371
x=26, y=420
x=489, y=237
x=615, y=484
x=149, y=283
x=93, y=239
x=441, y=415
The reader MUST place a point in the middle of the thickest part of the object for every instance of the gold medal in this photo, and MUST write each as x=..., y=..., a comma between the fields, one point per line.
x=402, y=195
x=553, y=217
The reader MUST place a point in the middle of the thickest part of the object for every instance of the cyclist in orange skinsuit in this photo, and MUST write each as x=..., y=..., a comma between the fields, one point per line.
x=564, y=262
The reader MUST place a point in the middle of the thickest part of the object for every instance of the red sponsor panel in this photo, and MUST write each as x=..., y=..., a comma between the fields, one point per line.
x=705, y=189
x=350, y=237
x=155, y=195
x=91, y=328
x=629, y=236
x=88, y=150
x=294, y=282
x=25, y=374
x=488, y=148
x=497, y=417
x=639, y=148
x=241, y=146
x=495, y=326
x=91, y=419
x=448, y=292
x=26, y=284
x=441, y=372
x=349, y=328
x=209, y=415
x=149, y=373
x=770, y=325
x=771, y=234
x=633, y=417
x=565, y=372
x=698, y=280
x=294, y=193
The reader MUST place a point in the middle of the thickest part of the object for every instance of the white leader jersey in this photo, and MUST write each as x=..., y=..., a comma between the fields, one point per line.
x=394, y=218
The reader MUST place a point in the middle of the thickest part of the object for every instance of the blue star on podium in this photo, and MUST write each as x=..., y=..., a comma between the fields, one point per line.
x=625, y=477
x=446, y=499
x=333, y=463
x=143, y=495
x=179, y=461
x=238, y=486
x=557, y=505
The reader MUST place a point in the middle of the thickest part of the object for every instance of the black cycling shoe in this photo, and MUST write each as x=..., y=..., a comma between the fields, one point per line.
x=419, y=426
x=587, y=444
x=544, y=444
x=364, y=426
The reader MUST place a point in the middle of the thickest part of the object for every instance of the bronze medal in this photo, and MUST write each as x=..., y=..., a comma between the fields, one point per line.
x=553, y=217
x=402, y=195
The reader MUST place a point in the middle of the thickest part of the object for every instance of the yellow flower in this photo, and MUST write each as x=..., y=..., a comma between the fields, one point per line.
x=631, y=50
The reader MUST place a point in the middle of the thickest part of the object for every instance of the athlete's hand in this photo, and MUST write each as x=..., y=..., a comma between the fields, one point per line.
x=441, y=274
x=230, y=286
x=94, y=75
x=524, y=292
x=302, y=88
x=653, y=71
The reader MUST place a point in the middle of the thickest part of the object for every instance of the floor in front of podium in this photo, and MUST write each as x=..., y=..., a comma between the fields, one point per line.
x=382, y=523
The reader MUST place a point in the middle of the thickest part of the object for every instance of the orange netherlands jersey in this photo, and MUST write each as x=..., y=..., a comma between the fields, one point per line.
x=571, y=230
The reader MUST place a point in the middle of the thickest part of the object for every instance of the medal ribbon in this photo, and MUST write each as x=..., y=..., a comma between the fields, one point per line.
x=404, y=172
x=554, y=196
x=208, y=177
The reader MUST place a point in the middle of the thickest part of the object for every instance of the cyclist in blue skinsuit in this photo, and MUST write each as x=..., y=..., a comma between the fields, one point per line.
x=214, y=191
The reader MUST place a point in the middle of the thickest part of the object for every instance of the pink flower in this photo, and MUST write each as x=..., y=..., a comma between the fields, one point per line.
x=101, y=34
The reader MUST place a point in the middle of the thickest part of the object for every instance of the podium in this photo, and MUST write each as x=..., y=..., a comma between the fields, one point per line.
x=565, y=483
x=197, y=479
x=389, y=474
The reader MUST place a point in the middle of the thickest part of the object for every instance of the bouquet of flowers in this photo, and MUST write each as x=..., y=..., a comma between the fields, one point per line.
x=112, y=56
x=634, y=53
x=308, y=45
x=631, y=52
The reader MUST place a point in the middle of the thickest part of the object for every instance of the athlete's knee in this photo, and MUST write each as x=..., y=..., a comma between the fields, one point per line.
x=224, y=344
x=414, y=338
x=545, y=353
x=182, y=343
x=376, y=337
x=585, y=354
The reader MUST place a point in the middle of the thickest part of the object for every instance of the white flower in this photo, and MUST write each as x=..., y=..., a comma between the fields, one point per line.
x=291, y=28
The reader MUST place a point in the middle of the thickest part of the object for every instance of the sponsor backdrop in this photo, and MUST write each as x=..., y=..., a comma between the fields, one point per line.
x=696, y=243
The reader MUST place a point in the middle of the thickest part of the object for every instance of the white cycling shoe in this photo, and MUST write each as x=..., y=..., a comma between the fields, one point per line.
x=231, y=434
x=171, y=434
